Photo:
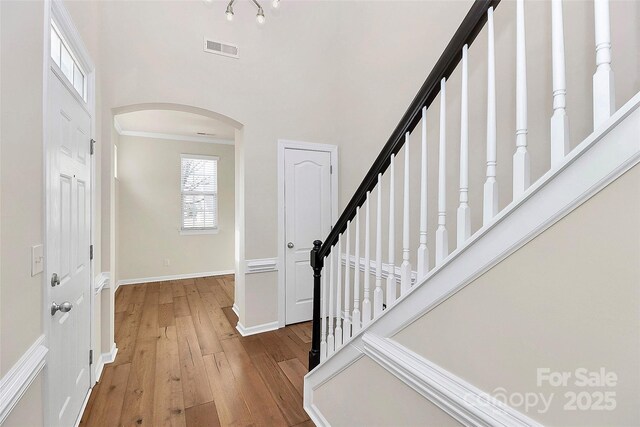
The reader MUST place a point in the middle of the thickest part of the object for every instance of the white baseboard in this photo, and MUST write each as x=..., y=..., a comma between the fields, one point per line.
x=83, y=407
x=235, y=310
x=173, y=277
x=104, y=359
x=461, y=400
x=17, y=380
x=258, y=329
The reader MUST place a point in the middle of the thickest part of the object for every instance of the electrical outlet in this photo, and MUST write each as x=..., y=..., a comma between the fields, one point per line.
x=166, y=262
x=37, y=260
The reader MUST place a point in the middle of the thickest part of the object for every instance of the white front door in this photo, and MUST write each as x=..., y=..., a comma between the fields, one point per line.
x=308, y=199
x=68, y=239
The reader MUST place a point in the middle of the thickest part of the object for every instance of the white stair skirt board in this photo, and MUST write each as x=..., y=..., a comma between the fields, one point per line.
x=601, y=158
x=258, y=329
x=105, y=358
x=461, y=400
x=17, y=380
x=174, y=277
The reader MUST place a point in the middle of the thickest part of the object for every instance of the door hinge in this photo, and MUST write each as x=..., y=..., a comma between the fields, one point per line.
x=90, y=357
x=330, y=169
x=91, y=252
x=91, y=146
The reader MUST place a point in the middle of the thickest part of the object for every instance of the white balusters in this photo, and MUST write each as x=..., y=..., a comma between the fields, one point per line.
x=338, y=331
x=405, y=267
x=377, y=293
x=366, y=302
x=331, y=342
x=391, y=276
x=346, y=331
x=464, y=213
x=355, y=317
x=442, y=239
x=559, y=120
x=603, y=83
x=490, y=206
x=323, y=315
x=521, y=162
x=423, y=250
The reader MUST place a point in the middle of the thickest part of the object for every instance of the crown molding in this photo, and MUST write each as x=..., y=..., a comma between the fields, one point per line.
x=170, y=136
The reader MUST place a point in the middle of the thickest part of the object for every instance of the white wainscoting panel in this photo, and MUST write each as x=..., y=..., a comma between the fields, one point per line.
x=464, y=402
x=101, y=282
x=17, y=380
x=263, y=265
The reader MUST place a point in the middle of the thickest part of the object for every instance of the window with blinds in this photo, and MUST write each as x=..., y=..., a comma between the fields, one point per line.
x=199, y=188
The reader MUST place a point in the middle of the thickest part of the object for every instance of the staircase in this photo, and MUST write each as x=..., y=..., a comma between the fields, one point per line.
x=370, y=306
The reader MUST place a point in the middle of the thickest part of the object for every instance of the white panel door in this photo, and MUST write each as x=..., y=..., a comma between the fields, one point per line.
x=307, y=218
x=68, y=240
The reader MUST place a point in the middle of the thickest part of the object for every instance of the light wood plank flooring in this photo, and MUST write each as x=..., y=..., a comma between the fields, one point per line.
x=181, y=362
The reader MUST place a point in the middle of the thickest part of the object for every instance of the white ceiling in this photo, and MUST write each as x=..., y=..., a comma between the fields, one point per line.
x=174, y=123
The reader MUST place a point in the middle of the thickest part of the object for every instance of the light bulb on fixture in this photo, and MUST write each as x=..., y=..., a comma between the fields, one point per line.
x=229, y=12
x=260, y=16
x=275, y=4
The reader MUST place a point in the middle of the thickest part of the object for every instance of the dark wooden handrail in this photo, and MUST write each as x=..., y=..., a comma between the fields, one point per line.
x=466, y=34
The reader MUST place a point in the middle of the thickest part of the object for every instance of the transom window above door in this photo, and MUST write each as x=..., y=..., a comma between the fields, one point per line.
x=65, y=60
x=199, y=189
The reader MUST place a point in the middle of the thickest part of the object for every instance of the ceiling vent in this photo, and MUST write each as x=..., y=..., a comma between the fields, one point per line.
x=220, y=48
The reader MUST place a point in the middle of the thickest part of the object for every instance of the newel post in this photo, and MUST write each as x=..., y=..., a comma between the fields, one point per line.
x=317, y=264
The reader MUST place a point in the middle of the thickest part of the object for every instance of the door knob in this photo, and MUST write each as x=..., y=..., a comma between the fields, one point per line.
x=55, y=280
x=64, y=307
x=290, y=245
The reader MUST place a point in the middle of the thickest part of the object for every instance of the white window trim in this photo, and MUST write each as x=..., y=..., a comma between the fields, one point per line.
x=184, y=232
x=194, y=232
x=77, y=54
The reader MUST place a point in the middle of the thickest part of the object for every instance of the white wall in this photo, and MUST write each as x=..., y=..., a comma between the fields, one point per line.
x=389, y=402
x=329, y=72
x=21, y=162
x=375, y=89
x=280, y=88
x=149, y=211
x=536, y=309
x=568, y=299
x=346, y=78
x=21, y=143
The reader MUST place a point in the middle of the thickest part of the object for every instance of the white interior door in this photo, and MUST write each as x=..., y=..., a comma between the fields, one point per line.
x=68, y=240
x=308, y=198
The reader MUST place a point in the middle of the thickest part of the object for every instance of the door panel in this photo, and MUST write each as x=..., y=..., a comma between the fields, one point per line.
x=68, y=240
x=307, y=218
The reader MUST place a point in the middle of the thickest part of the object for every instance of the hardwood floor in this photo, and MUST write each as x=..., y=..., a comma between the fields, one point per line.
x=181, y=362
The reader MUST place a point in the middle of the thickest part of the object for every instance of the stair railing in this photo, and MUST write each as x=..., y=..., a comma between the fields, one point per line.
x=333, y=326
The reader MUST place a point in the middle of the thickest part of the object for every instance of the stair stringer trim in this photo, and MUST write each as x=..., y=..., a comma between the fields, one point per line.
x=467, y=404
x=596, y=162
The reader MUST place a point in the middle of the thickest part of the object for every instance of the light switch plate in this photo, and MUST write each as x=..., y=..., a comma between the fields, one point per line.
x=37, y=260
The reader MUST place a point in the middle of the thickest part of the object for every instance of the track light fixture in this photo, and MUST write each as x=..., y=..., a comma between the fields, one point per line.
x=260, y=18
x=229, y=11
x=260, y=15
